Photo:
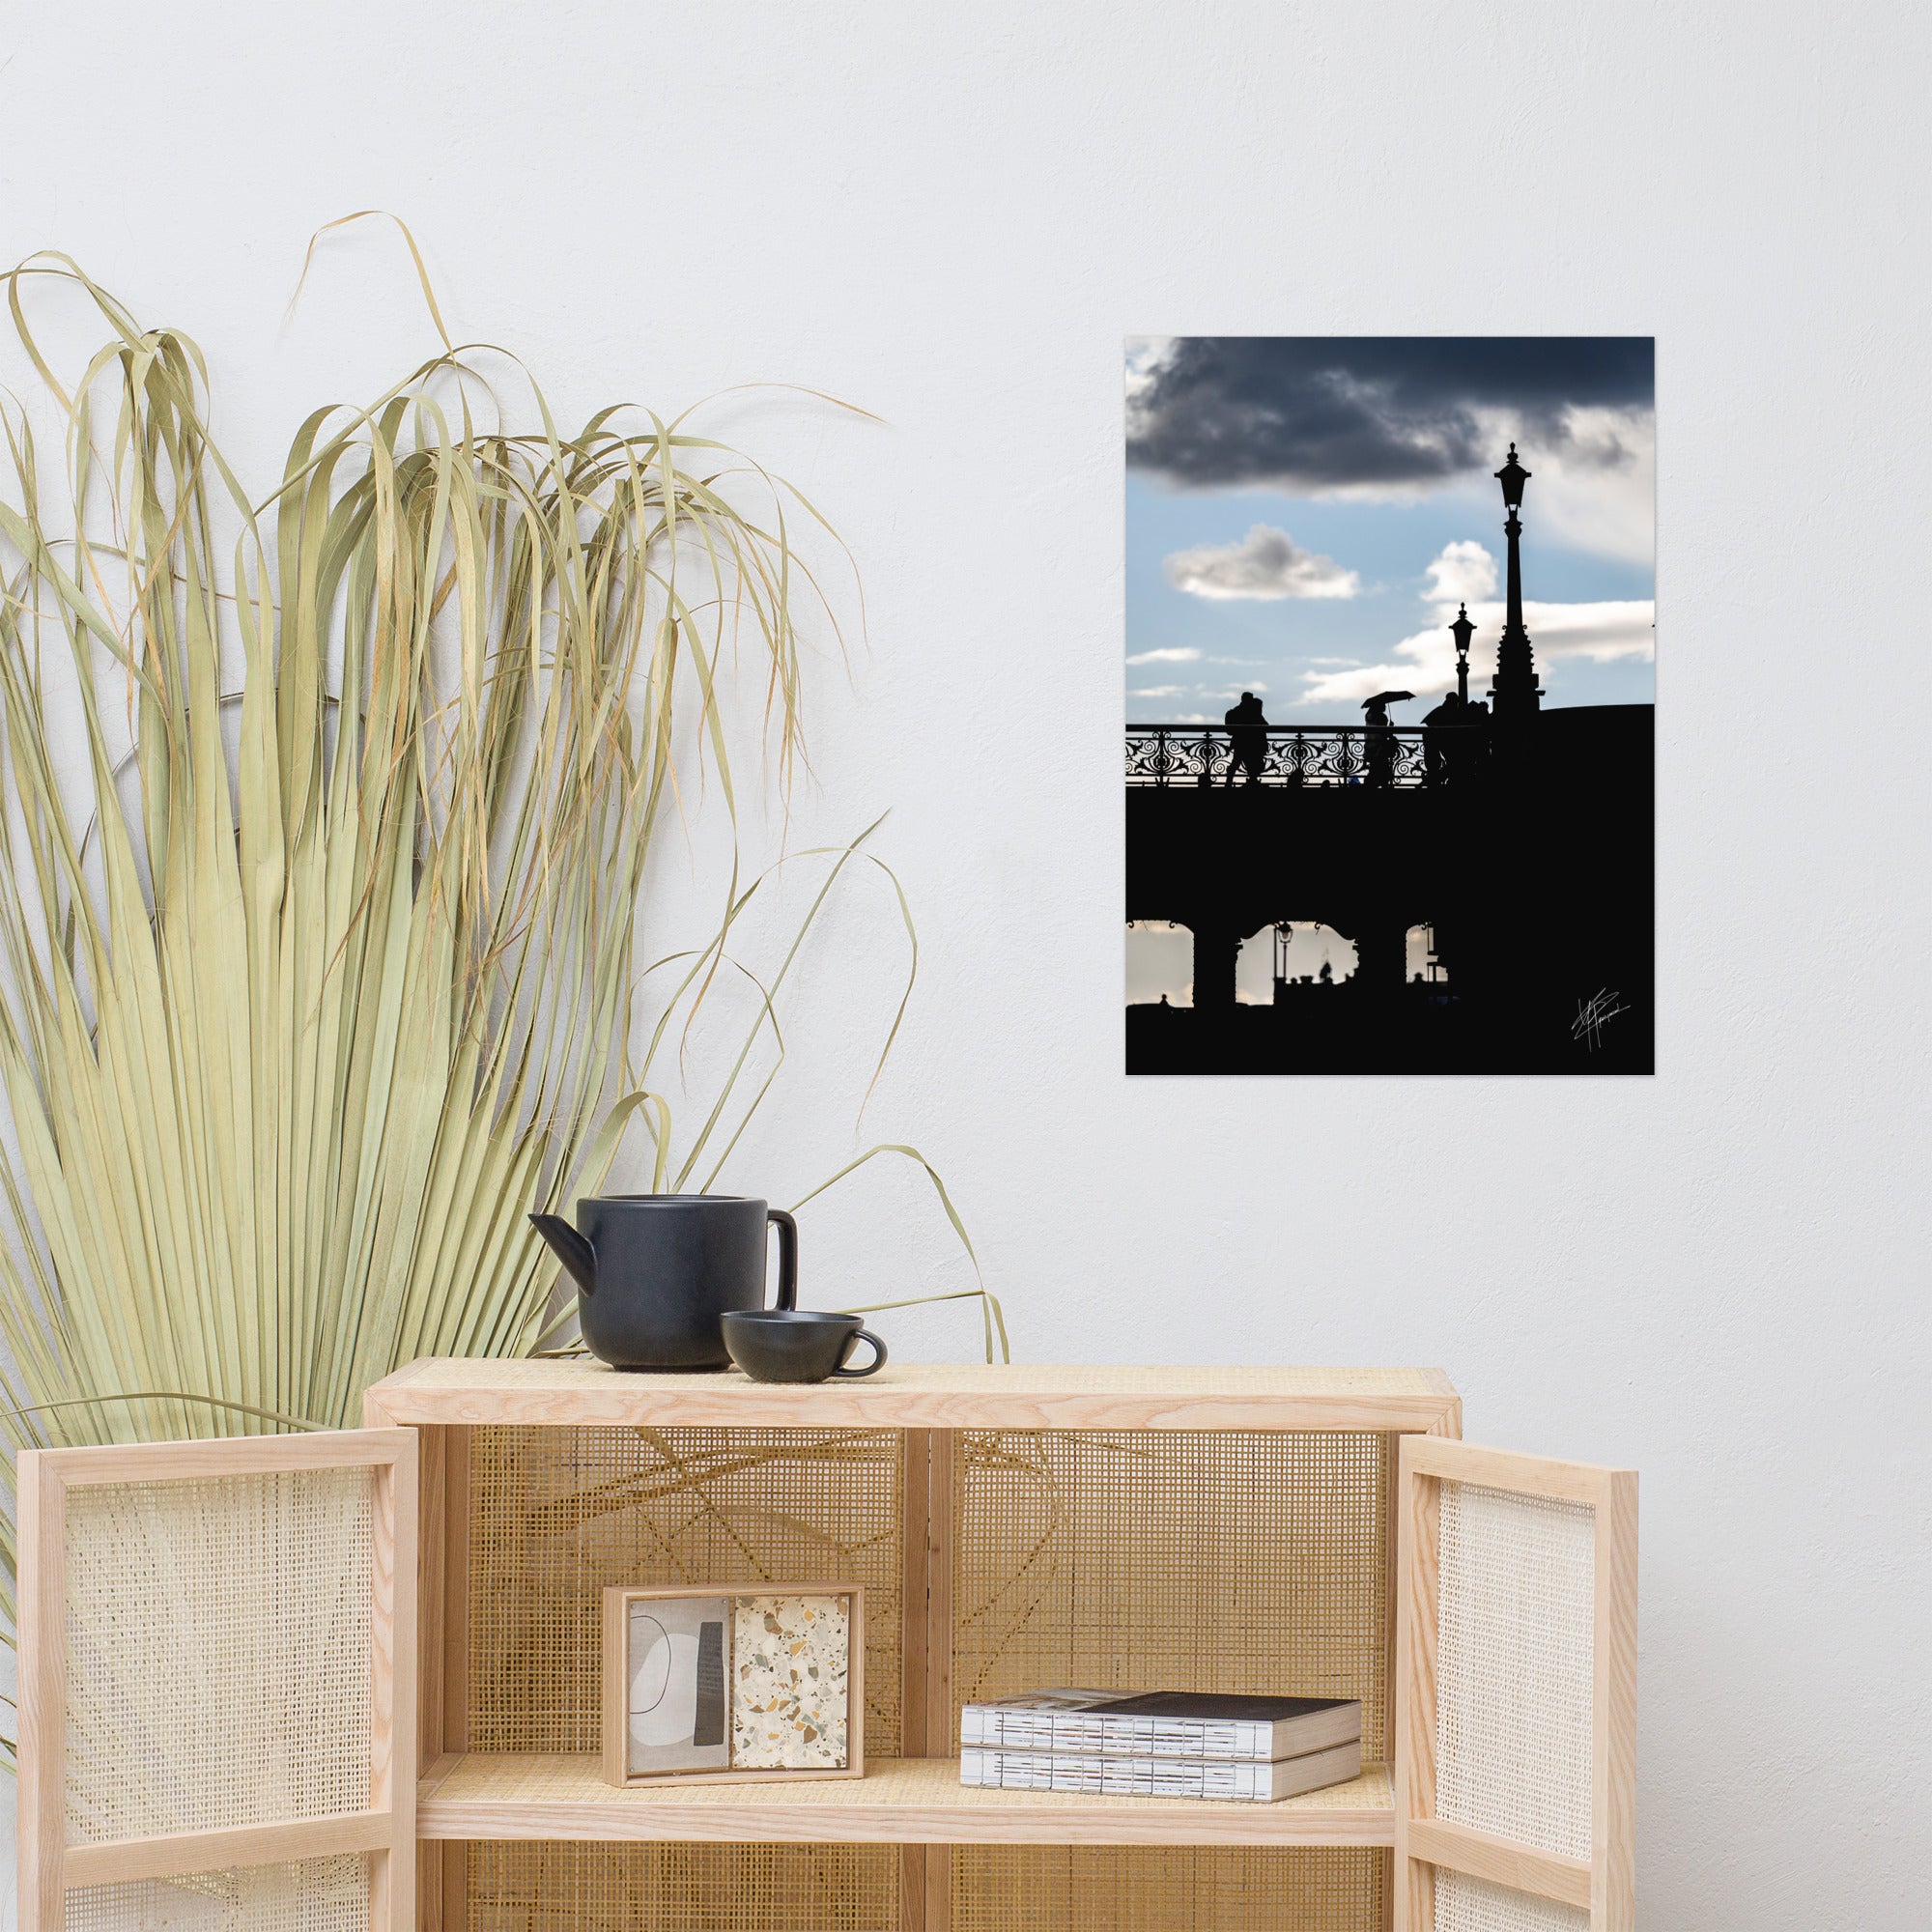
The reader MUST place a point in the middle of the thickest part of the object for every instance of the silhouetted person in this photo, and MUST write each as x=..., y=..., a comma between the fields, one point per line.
x=1327, y=974
x=1437, y=745
x=1380, y=735
x=1247, y=738
x=1450, y=746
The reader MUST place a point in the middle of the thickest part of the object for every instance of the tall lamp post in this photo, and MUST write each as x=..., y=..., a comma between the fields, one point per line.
x=1513, y=689
x=1461, y=630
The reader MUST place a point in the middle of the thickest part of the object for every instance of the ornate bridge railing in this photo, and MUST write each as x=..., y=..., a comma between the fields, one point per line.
x=1207, y=754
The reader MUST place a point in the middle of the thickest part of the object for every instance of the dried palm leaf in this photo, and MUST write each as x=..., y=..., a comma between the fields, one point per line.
x=319, y=973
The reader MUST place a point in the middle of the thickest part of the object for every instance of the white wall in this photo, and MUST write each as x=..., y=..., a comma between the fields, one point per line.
x=951, y=215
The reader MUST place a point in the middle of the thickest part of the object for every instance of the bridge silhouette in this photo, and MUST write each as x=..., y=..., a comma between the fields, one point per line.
x=1524, y=844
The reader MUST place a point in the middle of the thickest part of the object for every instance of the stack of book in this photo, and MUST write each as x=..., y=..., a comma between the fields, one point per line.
x=1164, y=1744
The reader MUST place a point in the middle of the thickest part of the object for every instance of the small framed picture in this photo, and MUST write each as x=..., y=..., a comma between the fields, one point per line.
x=750, y=1684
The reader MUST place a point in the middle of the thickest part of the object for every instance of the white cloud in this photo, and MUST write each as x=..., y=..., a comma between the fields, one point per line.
x=1425, y=662
x=1215, y=691
x=1595, y=489
x=1146, y=356
x=1464, y=573
x=1267, y=563
x=1179, y=654
x=1598, y=492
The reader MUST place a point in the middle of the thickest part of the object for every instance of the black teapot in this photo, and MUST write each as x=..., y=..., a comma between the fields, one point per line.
x=655, y=1272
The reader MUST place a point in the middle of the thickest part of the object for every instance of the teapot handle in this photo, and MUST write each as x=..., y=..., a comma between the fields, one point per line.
x=788, y=1256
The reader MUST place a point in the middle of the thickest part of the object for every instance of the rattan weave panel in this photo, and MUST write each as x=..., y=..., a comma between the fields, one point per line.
x=533, y=1886
x=1464, y=1904
x=217, y=1652
x=1115, y=1889
x=1174, y=1560
x=312, y=1896
x=559, y=1513
x=1514, y=1669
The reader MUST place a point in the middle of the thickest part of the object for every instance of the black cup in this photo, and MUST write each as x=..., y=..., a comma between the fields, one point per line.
x=789, y=1345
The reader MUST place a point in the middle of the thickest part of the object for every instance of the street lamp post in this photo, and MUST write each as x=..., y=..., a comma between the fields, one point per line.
x=1461, y=630
x=1514, y=690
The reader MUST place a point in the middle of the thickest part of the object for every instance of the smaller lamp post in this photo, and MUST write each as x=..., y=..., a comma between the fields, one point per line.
x=1461, y=630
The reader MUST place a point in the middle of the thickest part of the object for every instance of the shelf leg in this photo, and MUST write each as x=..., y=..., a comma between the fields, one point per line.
x=925, y=1683
x=938, y=1887
x=443, y=1688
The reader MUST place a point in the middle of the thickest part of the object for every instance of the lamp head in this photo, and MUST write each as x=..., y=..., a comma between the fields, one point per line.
x=1512, y=477
x=1461, y=630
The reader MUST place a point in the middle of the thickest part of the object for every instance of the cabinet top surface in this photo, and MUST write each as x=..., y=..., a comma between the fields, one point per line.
x=922, y=1395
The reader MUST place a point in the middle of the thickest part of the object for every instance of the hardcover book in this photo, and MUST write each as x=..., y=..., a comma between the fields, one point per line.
x=1162, y=1723
x=1242, y=1782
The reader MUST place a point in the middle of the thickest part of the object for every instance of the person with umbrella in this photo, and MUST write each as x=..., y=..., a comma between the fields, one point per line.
x=1380, y=734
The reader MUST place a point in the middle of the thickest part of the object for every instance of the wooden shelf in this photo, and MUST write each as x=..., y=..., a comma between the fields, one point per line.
x=898, y=1802
x=534, y=1394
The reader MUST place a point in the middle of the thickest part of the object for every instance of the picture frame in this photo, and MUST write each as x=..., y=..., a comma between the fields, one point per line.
x=744, y=1683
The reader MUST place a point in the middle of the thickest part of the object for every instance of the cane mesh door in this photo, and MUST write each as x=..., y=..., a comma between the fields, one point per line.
x=1515, y=1692
x=217, y=1707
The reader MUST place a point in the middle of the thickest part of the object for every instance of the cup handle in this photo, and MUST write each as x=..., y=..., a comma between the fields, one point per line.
x=788, y=1256
x=872, y=1367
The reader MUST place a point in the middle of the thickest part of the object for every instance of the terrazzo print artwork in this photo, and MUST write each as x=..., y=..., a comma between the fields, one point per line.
x=790, y=1657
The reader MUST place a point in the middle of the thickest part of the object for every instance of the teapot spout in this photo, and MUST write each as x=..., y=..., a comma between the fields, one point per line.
x=570, y=1248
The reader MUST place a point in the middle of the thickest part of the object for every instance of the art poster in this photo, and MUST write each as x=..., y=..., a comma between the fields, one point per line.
x=1390, y=684
x=746, y=1683
x=678, y=1699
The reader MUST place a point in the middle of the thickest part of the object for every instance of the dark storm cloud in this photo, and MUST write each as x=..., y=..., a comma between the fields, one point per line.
x=1321, y=411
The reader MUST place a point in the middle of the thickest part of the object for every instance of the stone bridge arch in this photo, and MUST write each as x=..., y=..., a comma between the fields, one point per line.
x=1379, y=931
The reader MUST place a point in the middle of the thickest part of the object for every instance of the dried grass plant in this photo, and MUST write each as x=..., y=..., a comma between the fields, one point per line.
x=319, y=972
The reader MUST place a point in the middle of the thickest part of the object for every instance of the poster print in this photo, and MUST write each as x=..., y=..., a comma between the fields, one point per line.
x=1390, y=683
x=678, y=1698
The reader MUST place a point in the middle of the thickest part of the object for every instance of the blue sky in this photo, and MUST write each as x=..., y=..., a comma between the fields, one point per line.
x=1318, y=588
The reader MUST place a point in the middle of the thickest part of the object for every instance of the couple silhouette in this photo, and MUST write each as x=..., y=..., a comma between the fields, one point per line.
x=1247, y=738
x=1248, y=729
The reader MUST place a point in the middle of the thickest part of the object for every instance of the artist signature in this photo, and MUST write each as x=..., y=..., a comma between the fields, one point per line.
x=1593, y=1015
